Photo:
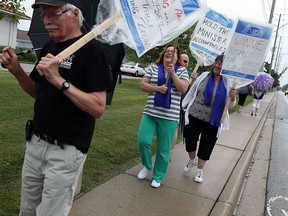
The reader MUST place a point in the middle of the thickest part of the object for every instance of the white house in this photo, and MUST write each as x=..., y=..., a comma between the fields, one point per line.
x=23, y=40
x=8, y=27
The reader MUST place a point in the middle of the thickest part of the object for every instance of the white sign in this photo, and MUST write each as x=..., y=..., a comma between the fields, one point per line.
x=211, y=37
x=150, y=23
x=246, y=52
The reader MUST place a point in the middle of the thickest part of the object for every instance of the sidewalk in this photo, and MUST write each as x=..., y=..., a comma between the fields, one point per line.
x=125, y=195
x=27, y=67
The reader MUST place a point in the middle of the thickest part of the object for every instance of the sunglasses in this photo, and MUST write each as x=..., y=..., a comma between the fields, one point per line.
x=185, y=61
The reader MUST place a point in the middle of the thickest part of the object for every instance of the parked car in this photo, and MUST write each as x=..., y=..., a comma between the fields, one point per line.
x=135, y=69
x=286, y=92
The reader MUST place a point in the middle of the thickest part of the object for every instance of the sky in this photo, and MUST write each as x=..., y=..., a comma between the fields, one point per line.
x=258, y=10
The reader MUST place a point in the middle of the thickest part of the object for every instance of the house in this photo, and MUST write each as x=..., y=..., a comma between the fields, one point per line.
x=23, y=40
x=8, y=25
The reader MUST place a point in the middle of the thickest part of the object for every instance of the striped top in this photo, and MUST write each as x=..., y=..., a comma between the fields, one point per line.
x=161, y=112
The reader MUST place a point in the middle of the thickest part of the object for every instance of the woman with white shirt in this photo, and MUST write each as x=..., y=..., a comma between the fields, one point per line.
x=204, y=105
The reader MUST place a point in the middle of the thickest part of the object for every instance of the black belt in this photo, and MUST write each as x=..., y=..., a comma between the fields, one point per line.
x=50, y=140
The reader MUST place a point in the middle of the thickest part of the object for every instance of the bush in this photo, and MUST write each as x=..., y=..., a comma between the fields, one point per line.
x=28, y=57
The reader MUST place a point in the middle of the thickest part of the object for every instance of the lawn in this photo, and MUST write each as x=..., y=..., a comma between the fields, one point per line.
x=113, y=148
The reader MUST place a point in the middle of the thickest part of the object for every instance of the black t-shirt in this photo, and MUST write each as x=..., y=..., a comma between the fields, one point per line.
x=54, y=113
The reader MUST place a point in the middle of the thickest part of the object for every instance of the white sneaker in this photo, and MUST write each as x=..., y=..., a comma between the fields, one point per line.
x=198, y=176
x=155, y=184
x=143, y=173
x=190, y=165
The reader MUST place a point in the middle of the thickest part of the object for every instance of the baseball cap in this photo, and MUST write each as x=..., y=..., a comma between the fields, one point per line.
x=39, y=3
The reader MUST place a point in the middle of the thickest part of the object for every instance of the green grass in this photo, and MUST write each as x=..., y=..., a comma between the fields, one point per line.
x=113, y=148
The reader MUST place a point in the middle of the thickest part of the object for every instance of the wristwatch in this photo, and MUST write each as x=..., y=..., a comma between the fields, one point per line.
x=65, y=86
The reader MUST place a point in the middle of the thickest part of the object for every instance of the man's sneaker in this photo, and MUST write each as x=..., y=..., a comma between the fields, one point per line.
x=155, y=184
x=143, y=173
x=190, y=164
x=199, y=176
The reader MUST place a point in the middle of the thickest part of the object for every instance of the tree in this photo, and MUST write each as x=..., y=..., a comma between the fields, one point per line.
x=153, y=54
x=274, y=74
x=15, y=7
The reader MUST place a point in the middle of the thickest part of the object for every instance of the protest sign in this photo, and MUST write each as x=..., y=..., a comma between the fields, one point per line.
x=246, y=52
x=150, y=23
x=211, y=37
x=140, y=24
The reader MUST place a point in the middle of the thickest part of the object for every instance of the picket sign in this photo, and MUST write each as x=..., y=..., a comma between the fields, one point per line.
x=148, y=24
x=211, y=36
x=245, y=54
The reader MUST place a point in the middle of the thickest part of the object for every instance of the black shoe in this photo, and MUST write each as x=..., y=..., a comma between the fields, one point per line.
x=252, y=114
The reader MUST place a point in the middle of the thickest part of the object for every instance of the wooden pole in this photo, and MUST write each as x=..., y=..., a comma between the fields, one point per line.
x=175, y=45
x=227, y=105
x=88, y=37
x=199, y=62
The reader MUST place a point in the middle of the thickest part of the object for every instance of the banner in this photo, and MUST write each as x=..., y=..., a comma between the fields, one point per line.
x=246, y=52
x=211, y=37
x=149, y=23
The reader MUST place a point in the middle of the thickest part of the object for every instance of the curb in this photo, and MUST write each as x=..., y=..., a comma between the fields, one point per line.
x=227, y=201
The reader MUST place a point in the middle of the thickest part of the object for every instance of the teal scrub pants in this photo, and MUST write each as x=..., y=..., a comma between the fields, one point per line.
x=165, y=131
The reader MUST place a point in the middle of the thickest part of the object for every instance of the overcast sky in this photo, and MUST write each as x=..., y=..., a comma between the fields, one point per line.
x=248, y=9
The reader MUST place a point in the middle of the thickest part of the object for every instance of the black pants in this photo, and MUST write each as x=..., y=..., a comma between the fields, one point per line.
x=242, y=98
x=208, y=138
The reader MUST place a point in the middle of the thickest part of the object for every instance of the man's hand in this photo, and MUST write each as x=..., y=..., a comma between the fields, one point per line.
x=49, y=66
x=9, y=59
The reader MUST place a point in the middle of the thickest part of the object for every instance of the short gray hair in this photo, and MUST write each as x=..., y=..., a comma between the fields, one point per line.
x=71, y=7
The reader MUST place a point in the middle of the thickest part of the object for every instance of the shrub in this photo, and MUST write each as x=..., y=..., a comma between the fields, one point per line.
x=28, y=57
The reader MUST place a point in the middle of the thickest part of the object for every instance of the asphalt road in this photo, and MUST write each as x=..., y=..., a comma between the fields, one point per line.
x=277, y=187
x=265, y=189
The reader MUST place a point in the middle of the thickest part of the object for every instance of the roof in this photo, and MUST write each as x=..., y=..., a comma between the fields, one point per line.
x=5, y=9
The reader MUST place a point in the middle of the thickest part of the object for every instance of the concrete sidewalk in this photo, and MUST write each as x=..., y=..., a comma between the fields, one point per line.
x=125, y=195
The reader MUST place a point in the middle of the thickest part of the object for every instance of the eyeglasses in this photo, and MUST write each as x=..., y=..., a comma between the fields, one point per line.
x=170, y=51
x=185, y=61
x=52, y=15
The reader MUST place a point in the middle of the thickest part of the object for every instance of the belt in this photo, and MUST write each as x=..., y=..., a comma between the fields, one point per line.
x=50, y=140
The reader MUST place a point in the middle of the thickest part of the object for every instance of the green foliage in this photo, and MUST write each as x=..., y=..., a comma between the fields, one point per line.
x=274, y=74
x=248, y=100
x=15, y=7
x=28, y=57
x=153, y=54
x=113, y=149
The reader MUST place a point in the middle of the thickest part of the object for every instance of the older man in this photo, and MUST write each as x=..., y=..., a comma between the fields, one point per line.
x=69, y=96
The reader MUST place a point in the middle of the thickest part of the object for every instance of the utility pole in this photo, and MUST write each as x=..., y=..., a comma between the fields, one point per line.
x=272, y=11
x=270, y=21
x=274, y=46
x=277, y=56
